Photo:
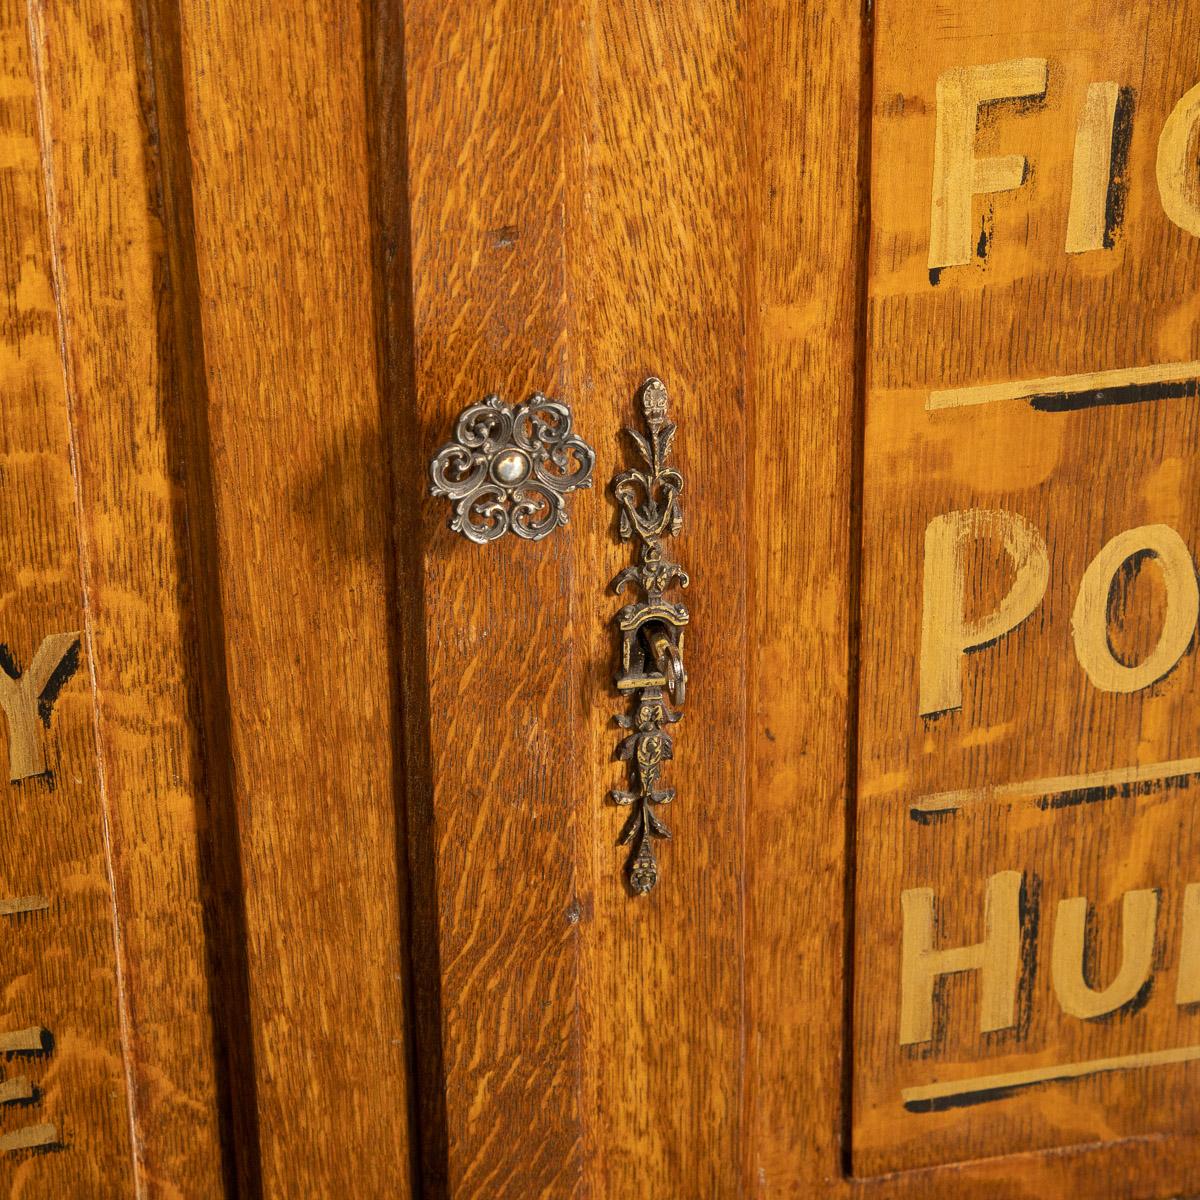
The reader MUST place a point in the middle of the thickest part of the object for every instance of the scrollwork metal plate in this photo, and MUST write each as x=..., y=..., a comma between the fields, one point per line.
x=652, y=631
x=510, y=469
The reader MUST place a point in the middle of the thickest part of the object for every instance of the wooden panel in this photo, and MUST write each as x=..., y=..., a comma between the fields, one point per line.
x=1028, y=771
x=806, y=85
x=276, y=119
x=578, y=148
x=504, y=624
x=657, y=233
x=64, y=1116
x=803, y=286
x=114, y=293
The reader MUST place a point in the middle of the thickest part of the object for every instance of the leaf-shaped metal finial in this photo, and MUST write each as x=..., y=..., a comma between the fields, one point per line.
x=654, y=401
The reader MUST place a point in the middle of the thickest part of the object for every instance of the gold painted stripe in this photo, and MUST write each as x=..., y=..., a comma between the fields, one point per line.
x=29, y=1138
x=1059, y=785
x=22, y=904
x=1053, y=385
x=1056, y=1074
x=21, y=1039
x=12, y=1090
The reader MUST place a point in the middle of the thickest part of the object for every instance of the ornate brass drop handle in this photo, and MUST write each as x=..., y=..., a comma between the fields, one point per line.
x=651, y=635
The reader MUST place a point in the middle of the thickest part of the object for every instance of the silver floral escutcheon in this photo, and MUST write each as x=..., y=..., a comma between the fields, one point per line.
x=652, y=632
x=511, y=468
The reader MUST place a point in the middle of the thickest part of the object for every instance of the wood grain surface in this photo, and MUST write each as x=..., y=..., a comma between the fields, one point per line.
x=276, y=124
x=658, y=231
x=1037, y=479
x=505, y=627
x=809, y=143
x=310, y=885
x=61, y=1017
x=122, y=351
x=607, y=117
x=567, y=1079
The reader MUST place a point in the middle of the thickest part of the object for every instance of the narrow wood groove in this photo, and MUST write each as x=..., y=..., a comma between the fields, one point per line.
x=298, y=477
x=385, y=86
x=574, y=682
x=854, y=628
x=190, y=448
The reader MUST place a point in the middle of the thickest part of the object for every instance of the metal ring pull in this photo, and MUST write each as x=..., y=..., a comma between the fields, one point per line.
x=669, y=660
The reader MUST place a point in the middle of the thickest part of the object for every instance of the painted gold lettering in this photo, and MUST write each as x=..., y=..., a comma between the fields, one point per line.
x=1176, y=165
x=1139, y=911
x=946, y=631
x=1091, y=172
x=1089, y=622
x=997, y=958
x=958, y=176
x=20, y=698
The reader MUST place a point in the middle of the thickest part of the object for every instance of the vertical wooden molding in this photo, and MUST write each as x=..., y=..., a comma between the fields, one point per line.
x=391, y=232
x=658, y=230
x=495, y=807
x=810, y=75
x=301, y=516
x=124, y=346
x=68, y=360
x=61, y=974
x=190, y=447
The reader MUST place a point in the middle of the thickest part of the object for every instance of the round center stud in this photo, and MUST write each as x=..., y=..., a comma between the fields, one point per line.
x=511, y=467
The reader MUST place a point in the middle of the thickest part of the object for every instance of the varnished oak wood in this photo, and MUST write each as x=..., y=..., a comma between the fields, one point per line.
x=1023, y=308
x=122, y=348
x=275, y=114
x=62, y=1009
x=809, y=141
x=778, y=1119
x=571, y=1081
x=657, y=232
x=505, y=631
x=322, y=895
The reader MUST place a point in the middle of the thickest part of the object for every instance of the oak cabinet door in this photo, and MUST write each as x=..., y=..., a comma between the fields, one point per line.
x=921, y=288
x=326, y=868
x=201, y=892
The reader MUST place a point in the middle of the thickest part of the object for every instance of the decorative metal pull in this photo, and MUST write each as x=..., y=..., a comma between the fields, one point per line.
x=651, y=635
x=510, y=469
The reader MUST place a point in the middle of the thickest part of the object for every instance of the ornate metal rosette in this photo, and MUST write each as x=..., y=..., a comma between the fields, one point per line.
x=511, y=468
x=652, y=632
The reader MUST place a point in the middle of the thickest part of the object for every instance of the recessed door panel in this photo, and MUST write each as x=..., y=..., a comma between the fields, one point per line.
x=1026, y=931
